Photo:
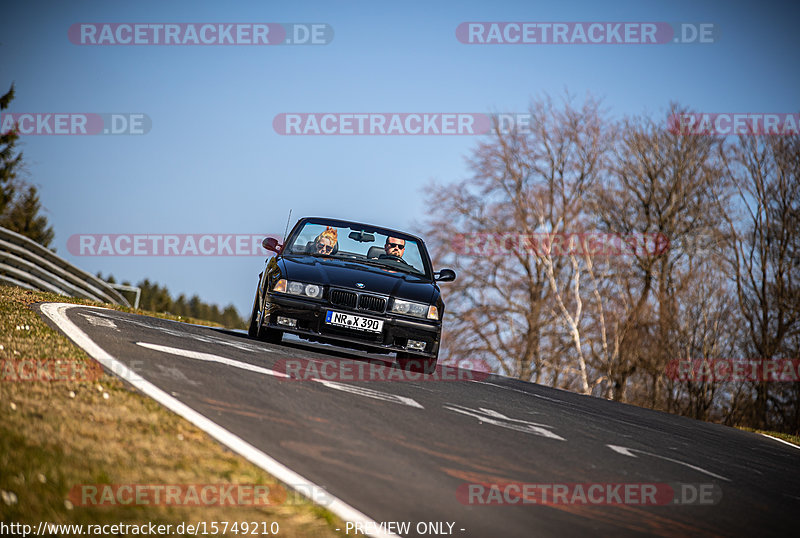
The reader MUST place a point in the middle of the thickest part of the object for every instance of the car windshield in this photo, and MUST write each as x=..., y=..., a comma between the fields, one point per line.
x=391, y=251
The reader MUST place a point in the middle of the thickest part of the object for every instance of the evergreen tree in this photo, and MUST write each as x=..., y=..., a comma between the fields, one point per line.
x=230, y=317
x=19, y=211
x=179, y=307
x=9, y=163
x=158, y=299
x=23, y=217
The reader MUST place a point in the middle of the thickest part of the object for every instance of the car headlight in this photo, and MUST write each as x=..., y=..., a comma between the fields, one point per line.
x=298, y=288
x=418, y=310
x=280, y=286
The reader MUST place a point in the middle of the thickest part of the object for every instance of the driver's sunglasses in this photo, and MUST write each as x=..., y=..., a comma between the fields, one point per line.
x=324, y=249
x=396, y=245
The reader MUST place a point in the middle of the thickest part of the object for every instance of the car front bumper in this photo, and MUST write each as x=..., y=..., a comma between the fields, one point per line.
x=310, y=323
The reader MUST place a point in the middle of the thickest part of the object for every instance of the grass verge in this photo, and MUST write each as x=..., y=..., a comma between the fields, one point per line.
x=789, y=438
x=58, y=435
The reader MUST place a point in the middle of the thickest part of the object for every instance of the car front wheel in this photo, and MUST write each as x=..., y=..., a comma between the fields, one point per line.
x=273, y=336
x=252, y=330
x=256, y=330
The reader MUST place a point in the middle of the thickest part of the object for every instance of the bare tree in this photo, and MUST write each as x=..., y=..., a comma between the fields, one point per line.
x=704, y=331
x=763, y=256
x=662, y=183
x=525, y=182
x=610, y=325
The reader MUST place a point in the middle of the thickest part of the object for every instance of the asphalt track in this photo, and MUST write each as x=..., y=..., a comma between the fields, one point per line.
x=405, y=452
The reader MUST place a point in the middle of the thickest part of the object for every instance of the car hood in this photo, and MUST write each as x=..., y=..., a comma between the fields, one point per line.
x=346, y=273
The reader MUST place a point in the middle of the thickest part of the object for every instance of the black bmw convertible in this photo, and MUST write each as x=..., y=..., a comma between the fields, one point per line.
x=354, y=285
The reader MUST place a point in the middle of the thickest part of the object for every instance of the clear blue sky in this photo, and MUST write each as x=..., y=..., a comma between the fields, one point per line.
x=212, y=162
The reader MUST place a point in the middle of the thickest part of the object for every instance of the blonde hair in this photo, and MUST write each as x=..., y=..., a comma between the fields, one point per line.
x=329, y=233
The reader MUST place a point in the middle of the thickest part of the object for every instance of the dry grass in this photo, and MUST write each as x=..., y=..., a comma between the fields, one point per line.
x=789, y=438
x=55, y=435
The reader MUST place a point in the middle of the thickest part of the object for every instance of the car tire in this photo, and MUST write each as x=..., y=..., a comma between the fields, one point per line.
x=252, y=330
x=416, y=363
x=272, y=336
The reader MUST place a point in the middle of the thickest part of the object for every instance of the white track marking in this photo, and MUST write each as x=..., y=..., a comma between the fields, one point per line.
x=521, y=391
x=370, y=393
x=352, y=389
x=501, y=416
x=208, y=357
x=176, y=330
x=57, y=313
x=622, y=450
x=493, y=417
x=781, y=440
x=98, y=321
x=625, y=451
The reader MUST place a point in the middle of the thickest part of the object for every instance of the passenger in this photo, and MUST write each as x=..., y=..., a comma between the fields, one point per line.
x=325, y=243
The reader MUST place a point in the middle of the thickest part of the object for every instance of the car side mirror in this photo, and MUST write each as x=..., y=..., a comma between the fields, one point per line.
x=270, y=243
x=445, y=275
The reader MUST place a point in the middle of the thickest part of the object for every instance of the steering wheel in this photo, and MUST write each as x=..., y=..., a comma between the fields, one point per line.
x=392, y=257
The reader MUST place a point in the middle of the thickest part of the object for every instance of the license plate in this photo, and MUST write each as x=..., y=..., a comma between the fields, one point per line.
x=352, y=321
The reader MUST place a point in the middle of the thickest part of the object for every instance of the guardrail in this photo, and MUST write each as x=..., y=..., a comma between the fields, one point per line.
x=28, y=264
x=136, y=290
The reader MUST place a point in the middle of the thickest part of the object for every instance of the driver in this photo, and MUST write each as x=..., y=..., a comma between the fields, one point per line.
x=325, y=243
x=395, y=247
